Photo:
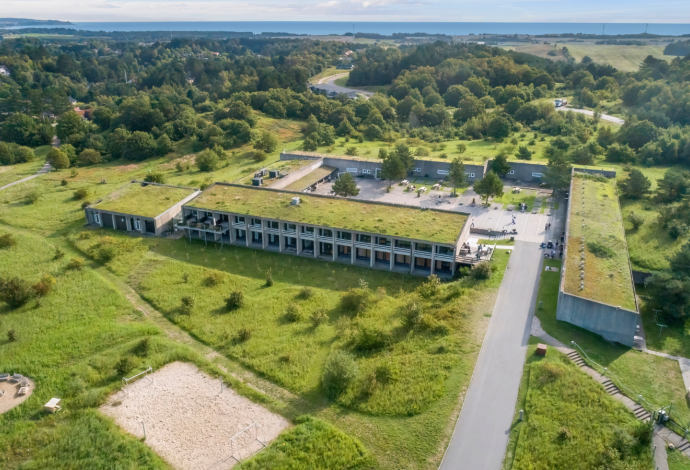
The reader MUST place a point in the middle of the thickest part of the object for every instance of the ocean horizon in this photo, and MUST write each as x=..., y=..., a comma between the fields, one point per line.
x=340, y=27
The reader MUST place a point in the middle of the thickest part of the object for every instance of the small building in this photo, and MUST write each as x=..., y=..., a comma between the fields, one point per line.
x=147, y=208
x=345, y=66
x=72, y=100
x=4, y=71
x=377, y=235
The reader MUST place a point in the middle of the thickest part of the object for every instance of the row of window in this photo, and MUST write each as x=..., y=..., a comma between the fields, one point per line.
x=136, y=222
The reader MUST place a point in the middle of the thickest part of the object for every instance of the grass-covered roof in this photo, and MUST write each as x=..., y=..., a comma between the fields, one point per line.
x=436, y=226
x=145, y=200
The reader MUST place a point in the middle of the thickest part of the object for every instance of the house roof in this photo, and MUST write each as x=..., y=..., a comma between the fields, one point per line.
x=406, y=222
x=143, y=199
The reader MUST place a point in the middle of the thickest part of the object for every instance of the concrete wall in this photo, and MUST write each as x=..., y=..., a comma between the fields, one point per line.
x=280, y=183
x=164, y=221
x=613, y=323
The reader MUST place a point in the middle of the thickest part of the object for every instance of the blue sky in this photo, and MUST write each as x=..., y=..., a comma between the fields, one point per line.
x=566, y=11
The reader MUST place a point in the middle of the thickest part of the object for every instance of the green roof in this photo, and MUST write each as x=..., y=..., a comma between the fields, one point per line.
x=150, y=200
x=310, y=178
x=607, y=271
x=431, y=225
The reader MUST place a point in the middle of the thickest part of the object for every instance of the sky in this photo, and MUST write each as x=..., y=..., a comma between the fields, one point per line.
x=562, y=11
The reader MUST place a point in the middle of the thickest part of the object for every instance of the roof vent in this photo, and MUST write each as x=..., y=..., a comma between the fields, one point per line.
x=295, y=201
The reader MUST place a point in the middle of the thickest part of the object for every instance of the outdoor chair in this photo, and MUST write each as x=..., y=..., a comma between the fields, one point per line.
x=23, y=390
x=2, y=392
x=4, y=376
x=16, y=378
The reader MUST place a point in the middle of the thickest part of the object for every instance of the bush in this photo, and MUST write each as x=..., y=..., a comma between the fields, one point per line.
x=44, y=286
x=372, y=339
x=351, y=151
x=75, y=264
x=11, y=336
x=64, y=182
x=387, y=373
x=106, y=253
x=59, y=254
x=356, y=300
x=235, y=301
x=305, y=293
x=259, y=155
x=600, y=250
x=269, y=279
x=214, y=279
x=33, y=197
x=292, y=314
x=677, y=229
x=318, y=317
x=243, y=335
x=155, y=177
x=7, y=240
x=482, y=271
x=81, y=193
x=187, y=304
x=636, y=220
x=125, y=365
x=15, y=292
x=412, y=314
x=339, y=373
x=429, y=288
x=207, y=160
x=143, y=348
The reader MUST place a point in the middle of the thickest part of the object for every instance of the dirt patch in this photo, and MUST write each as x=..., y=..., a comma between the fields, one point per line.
x=188, y=421
x=11, y=397
x=130, y=167
x=171, y=165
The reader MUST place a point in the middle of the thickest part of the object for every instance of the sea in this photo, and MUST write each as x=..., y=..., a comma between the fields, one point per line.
x=387, y=28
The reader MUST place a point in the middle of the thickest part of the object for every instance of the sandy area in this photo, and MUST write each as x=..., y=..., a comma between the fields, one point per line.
x=188, y=421
x=11, y=397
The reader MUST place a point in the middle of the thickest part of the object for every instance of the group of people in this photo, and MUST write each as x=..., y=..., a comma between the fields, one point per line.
x=548, y=227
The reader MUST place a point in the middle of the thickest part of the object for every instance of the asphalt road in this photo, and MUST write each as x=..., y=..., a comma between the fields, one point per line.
x=481, y=433
x=328, y=83
x=604, y=117
x=45, y=169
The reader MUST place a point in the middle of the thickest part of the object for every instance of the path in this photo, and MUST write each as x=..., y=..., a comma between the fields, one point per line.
x=481, y=434
x=45, y=169
x=328, y=84
x=604, y=117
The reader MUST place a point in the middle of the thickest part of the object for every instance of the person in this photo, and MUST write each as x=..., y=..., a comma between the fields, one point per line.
x=472, y=201
x=471, y=226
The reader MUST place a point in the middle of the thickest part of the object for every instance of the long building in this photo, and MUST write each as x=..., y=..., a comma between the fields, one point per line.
x=377, y=235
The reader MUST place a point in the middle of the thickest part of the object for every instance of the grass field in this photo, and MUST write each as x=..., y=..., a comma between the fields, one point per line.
x=570, y=421
x=12, y=173
x=146, y=201
x=677, y=461
x=404, y=422
x=624, y=58
x=657, y=379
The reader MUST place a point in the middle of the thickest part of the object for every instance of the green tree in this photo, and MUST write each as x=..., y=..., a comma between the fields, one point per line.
x=673, y=185
x=89, y=157
x=523, y=153
x=392, y=168
x=19, y=128
x=139, y=146
x=70, y=124
x=489, y=186
x=164, y=145
x=468, y=107
x=500, y=165
x=116, y=142
x=155, y=177
x=456, y=174
x=636, y=184
x=558, y=170
x=345, y=186
x=207, y=160
x=405, y=155
x=620, y=154
x=103, y=117
x=499, y=127
x=58, y=159
x=605, y=136
x=266, y=141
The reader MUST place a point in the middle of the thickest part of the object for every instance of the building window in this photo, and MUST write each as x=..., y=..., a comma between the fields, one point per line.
x=471, y=175
x=442, y=172
x=363, y=238
x=383, y=241
x=444, y=250
x=423, y=247
x=417, y=170
x=239, y=220
x=256, y=221
x=537, y=175
x=351, y=170
x=97, y=218
x=270, y=224
x=324, y=232
x=403, y=244
x=137, y=224
x=511, y=172
x=307, y=229
x=366, y=172
x=289, y=227
x=345, y=235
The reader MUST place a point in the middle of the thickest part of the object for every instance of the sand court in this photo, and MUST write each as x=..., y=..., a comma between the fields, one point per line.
x=188, y=421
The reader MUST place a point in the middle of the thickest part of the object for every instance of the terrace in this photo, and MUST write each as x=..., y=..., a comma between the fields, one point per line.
x=597, y=266
x=143, y=199
x=430, y=225
x=311, y=179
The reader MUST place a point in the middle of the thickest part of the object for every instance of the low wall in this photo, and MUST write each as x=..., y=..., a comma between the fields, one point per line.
x=294, y=176
x=613, y=323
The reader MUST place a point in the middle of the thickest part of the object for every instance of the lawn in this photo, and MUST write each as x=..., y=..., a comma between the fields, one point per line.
x=405, y=421
x=624, y=58
x=526, y=196
x=570, y=422
x=435, y=226
x=596, y=222
x=657, y=379
x=677, y=461
x=148, y=200
x=11, y=173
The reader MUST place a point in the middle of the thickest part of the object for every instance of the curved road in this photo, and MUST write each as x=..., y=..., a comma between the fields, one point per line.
x=328, y=84
x=604, y=117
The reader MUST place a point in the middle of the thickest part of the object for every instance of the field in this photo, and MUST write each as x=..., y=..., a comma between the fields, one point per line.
x=624, y=58
x=570, y=421
x=596, y=223
x=657, y=379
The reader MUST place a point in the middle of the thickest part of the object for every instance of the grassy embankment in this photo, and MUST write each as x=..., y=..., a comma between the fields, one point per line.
x=657, y=379
x=570, y=422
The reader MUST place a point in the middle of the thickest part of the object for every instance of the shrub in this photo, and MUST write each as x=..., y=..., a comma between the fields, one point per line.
x=207, y=160
x=412, y=314
x=15, y=292
x=235, y=301
x=351, y=151
x=269, y=279
x=462, y=148
x=85, y=204
x=482, y=271
x=33, y=197
x=600, y=250
x=75, y=264
x=106, y=253
x=64, y=182
x=372, y=339
x=305, y=293
x=339, y=373
x=185, y=277
x=155, y=177
x=292, y=314
x=387, y=373
x=636, y=220
x=11, y=336
x=125, y=365
x=429, y=288
x=243, y=335
x=677, y=229
x=356, y=300
x=214, y=279
x=143, y=348
x=318, y=317
x=59, y=254
x=81, y=193
x=7, y=240
x=44, y=286
x=187, y=304
x=259, y=155
x=73, y=173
